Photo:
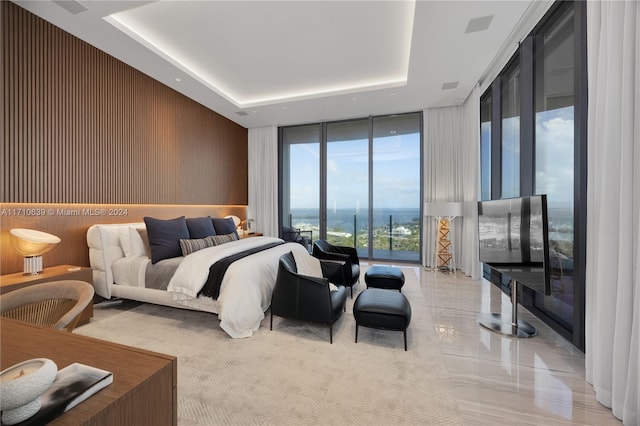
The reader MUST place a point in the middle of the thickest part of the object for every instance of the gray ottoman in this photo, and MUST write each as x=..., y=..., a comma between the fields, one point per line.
x=386, y=310
x=384, y=277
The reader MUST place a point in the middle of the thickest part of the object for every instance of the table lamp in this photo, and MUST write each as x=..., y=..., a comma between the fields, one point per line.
x=32, y=245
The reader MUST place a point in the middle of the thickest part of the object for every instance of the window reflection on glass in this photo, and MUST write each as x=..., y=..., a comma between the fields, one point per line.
x=511, y=133
x=554, y=155
x=485, y=146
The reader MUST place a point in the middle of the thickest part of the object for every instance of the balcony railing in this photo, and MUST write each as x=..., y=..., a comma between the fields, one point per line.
x=391, y=240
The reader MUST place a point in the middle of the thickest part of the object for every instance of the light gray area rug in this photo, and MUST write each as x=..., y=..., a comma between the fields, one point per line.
x=292, y=375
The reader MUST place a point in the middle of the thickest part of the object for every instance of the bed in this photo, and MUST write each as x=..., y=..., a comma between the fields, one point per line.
x=124, y=267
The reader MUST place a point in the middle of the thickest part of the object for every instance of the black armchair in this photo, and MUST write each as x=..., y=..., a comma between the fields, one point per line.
x=351, y=270
x=306, y=298
x=295, y=235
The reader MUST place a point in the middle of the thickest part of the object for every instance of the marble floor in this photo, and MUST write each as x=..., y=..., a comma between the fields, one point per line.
x=500, y=380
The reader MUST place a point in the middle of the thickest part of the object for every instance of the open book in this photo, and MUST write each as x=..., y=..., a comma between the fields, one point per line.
x=72, y=385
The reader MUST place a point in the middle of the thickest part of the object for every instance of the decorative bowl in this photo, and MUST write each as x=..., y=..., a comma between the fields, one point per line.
x=21, y=387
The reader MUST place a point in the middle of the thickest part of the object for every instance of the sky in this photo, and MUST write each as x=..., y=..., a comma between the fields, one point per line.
x=396, y=166
x=554, y=155
x=396, y=173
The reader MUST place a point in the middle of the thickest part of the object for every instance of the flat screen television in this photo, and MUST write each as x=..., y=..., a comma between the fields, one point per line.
x=514, y=240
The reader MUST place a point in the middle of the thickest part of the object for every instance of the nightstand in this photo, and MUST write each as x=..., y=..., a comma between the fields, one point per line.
x=255, y=234
x=18, y=280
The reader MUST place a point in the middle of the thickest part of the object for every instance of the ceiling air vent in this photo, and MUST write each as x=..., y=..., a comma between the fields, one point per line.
x=242, y=113
x=71, y=6
x=451, y=85
x=478, y=24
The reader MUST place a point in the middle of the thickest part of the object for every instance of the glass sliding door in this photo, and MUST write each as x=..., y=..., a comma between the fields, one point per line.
x=396, y=187
x=347, y=194
x=356, y=183
x=301, y=178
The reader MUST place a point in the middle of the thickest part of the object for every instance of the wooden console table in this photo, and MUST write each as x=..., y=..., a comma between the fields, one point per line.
x=144, y=388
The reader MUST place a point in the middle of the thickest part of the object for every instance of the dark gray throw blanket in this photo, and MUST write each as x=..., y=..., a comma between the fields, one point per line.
x=216, y=272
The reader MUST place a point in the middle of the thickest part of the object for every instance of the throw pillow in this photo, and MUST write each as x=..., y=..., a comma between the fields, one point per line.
x=200, y=227
x=310, y=266
x=164, y=237
x=224, y=226
x=137, y=244
x=216, y=240
x=192, y=245
x=145, y=240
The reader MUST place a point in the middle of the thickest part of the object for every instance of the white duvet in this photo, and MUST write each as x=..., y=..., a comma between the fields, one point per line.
x=245, y=292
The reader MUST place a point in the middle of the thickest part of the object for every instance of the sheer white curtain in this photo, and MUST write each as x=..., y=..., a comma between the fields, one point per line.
x=471, y=184
x=451, y=173
x=263, y=179
x=612, y=324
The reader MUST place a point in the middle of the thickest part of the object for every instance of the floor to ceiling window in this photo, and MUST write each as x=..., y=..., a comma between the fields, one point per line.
x=510, y=184
x=300, y=178
x=539, y=115
x=347, y=207
x=396, y=187
x=554, y=152
x=356, y=183
x=485, y=147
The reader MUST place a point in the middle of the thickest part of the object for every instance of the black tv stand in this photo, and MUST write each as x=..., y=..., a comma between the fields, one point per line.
x=514, y=328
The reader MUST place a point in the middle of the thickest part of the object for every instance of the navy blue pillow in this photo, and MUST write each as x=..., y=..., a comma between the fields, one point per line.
x=224, y=226
x=200, y=227
x=164, y=237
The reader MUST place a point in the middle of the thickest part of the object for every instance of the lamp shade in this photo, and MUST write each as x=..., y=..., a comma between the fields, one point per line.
x=441, y=209
x=29, y=242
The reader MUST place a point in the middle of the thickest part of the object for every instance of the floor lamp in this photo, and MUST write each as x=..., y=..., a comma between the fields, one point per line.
x=444, y=256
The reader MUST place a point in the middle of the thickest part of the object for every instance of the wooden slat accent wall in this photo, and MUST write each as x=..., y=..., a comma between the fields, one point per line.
x=80, y=126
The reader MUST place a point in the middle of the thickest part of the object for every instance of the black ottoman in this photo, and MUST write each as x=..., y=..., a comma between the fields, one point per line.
x=384, y=277
x=387, y=310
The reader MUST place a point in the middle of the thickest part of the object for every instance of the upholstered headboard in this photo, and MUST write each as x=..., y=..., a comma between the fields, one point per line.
x=108, y=243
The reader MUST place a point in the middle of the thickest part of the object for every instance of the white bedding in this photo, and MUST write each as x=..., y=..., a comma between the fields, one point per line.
x=130, y=270
x=119, y=262
x=245, y=292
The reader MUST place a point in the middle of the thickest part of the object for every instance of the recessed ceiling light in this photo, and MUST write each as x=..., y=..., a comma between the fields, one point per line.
x=450, y=85
x=392, y=94
x=178, y=79
x=478, y=24
x=354, y=99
